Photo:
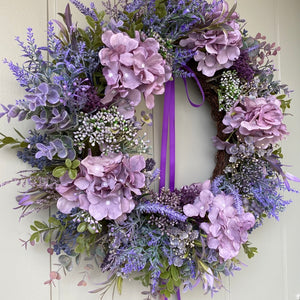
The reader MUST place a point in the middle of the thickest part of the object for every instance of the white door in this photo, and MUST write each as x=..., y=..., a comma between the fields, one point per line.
x=274, y=273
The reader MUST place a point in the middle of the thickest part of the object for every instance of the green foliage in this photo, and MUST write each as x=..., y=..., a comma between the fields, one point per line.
x=132, y=24
x=160, y=8
x=119, y=284
x=250, y=251
x=42, y=230
x=284, y=103
x=14, y=143
x=171, y=278
x=92, y=35
x=278, y=152
x=70, y=167
x=84, y=243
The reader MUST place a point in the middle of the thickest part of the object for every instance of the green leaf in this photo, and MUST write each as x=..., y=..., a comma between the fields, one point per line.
x=90, y=21
x=54, y=221
x=174, y=273
x=35, y=236
x=72, y=173
x=250, y=251
x=165, y=275
x=198, y=243
x=80, y=240
x=232, y=10
x=33, y=228
x=40, y=225
x=19, y=133
x=119, y=284
x=170, y=285
x=75, y=164
x=203, y=265
x=59, y=172
x=166, y=293
x=79, y=248
x=90, y=229
x=47, y=236
x=280, y=97
x=68, y=163
x=177, y=282
x=23, y=145
x=82, y=227
x=9, y=140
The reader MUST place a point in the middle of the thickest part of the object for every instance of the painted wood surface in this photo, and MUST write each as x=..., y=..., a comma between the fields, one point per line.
x=272, y=274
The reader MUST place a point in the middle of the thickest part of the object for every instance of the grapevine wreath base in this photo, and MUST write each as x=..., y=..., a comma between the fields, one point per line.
x=91, y=160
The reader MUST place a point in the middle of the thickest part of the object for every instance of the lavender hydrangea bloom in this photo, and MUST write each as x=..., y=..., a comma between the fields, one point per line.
x=227, y=227
x=104, y=186
x=260, y=118
x=221, y=47
x=227, y=230
x=131, y=64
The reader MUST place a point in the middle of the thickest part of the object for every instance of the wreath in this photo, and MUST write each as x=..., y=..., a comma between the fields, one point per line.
x=91, y=160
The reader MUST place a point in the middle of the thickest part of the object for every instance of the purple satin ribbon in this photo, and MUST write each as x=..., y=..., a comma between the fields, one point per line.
x=168, y=129
x=199, y=85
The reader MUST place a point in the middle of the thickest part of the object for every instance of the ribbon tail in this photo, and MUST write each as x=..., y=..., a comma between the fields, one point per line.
x=199, y=85
x=178, y=294
x=164, y=137
x=172, y=136
x=168, y=129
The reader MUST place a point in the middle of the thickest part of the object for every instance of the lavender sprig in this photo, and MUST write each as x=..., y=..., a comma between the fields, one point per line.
x=85, y=10
x=157, y=208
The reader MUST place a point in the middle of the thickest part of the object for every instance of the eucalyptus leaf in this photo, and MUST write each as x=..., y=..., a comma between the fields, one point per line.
x=78, y=259
x=65, y=260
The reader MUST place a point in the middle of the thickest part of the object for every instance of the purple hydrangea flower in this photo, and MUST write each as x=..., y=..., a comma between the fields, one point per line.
x=259, y=118
x=216, y=49
x=131, y=64
x=104, y=186
x=227, y=228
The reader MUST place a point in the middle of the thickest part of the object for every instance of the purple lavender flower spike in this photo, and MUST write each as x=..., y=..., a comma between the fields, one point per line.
x=85, y=10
